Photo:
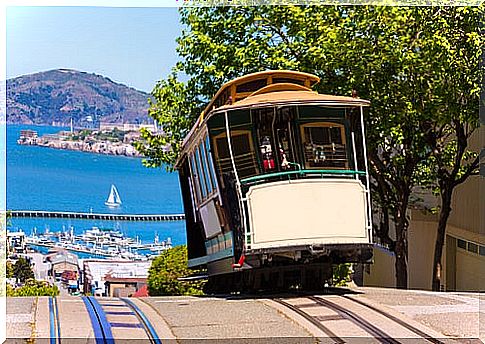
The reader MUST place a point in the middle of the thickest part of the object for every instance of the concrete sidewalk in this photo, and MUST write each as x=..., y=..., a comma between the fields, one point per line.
x=456, y=315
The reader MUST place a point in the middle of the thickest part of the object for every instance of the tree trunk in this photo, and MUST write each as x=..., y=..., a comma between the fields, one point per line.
x=445, y=211
x=401, y=249
x=401, y=260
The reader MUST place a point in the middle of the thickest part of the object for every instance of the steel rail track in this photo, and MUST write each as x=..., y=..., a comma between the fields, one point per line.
x=147, y=325
x=101, y=326
x=311, y=319
x=54, y=322
x=397, y=320
x=378, y=334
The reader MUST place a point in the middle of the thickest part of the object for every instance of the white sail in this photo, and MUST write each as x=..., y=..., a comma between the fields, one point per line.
x=114, y=199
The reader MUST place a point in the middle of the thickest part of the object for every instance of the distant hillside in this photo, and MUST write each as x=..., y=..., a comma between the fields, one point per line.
x=61, y=94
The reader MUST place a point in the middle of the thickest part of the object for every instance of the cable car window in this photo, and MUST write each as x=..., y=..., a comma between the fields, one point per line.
x=210, y=162
x=200, y=174
x=273, y=127
x=243, y=150
x=203, y=157
x=324, y=145
x=265, y=119
x=308, y=112
x=195, y=178
x=251, y=86
x=288, y=80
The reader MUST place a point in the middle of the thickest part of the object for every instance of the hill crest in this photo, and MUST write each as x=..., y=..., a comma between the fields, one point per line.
x=57, y=95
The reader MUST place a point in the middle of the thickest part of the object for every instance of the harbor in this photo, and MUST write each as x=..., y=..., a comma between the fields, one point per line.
x=92, y=243
x=88, y=223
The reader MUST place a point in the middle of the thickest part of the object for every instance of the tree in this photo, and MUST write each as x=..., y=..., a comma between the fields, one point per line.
x=452, y=162
x=174, y=110
x=9, y=270
x=165, y=271
x=386, y=54
x=22, y=270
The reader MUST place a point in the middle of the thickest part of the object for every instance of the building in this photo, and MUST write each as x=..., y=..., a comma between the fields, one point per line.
x=30, y=134
x=123, y=286
x=131, y=136
x=104, y=126
x=463, y=258
x=16, y=242
x=62, y=261
x=114, y=278
x=28, y=137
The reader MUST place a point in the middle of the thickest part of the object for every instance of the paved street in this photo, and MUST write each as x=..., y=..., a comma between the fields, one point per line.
x=349, y=315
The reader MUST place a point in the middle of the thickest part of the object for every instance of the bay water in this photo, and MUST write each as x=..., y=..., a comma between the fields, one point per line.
x=40, y=178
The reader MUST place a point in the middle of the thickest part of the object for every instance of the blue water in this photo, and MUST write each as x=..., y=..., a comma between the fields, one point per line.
x=41, y=178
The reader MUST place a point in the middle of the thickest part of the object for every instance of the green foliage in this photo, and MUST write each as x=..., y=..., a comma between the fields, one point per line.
x=166, y=269
x=114, y=135
x=22, y=270
x=175, y=109
x=5, y=219
x=342, y=274
x=9, y=270
x=33, y=288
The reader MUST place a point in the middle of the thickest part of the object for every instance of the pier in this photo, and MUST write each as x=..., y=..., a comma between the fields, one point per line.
x=96, y=216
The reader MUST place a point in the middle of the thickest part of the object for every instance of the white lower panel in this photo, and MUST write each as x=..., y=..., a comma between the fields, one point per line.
x=210, y=219
x=318, y=211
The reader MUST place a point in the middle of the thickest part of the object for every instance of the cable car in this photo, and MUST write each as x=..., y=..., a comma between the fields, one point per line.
x=275, y=184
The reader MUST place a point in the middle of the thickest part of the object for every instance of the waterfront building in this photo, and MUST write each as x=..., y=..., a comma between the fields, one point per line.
x=62, y=261
x=103, y=126
x=131, y=136
x=28, y=137
x=107, y=278
x=16, y=242
x=123, y=286
x=31, y=134
x=40, y=267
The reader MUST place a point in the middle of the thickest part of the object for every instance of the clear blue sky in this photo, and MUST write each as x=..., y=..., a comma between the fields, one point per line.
x=134, y=46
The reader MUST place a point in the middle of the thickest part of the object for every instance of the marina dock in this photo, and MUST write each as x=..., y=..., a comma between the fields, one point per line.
x=96, y=216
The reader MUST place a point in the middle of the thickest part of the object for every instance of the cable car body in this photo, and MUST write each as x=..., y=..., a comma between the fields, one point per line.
x=274, y=179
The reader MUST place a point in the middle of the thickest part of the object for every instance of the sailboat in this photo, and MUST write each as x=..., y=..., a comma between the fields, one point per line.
x=114, y=199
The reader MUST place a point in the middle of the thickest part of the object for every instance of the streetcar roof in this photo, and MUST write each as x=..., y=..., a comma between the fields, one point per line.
x=301, y=97
x=310, y=80
x=275, y=94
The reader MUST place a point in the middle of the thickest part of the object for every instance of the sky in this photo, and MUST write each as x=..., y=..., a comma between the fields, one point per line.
x=133, y=46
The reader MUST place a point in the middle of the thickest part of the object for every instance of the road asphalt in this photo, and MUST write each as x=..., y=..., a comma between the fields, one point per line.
x=455, y=317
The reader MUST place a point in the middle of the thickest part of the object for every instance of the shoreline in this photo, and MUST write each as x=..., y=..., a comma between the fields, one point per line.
x=112, y=143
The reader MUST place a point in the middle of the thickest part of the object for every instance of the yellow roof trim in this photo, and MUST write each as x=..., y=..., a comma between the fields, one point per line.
x=278, y=88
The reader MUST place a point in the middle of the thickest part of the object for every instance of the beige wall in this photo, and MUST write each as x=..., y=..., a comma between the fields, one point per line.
x=121, y=290
x=382, y=272
x=421, y=241
x=466, y=206
x=470, y=274
x=61, y=267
